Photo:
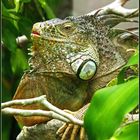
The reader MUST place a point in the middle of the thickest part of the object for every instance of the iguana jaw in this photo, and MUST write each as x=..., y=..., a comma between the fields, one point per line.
x=53, y=40
x=37, y=35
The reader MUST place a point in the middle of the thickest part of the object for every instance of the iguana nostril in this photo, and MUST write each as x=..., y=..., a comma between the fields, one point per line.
x=85, y=69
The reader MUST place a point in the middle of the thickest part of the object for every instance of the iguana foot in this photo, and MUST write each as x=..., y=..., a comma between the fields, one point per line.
x=66, y=129
x=71, y=131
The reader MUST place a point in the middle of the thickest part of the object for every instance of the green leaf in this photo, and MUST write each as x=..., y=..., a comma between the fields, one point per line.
x=17, y=5
x=9, y=39
x=112, y=82
x=8, y=4
x=25, y=26
x=18, y=61
x=25, y=1
x=9, y=30
x=108, y=107
x=39, y=9
x=47, y=9
x=127, y=132
x=9, y=15
x=4, y=11
x=132, y=61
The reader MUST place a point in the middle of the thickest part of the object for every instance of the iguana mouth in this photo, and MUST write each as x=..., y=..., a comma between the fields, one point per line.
x=35, y=33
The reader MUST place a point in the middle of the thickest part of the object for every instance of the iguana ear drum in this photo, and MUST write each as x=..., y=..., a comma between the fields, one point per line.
x=85, y=69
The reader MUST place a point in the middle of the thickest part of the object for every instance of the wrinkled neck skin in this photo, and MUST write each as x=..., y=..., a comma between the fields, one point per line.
x=62, y=87
x=53, y=57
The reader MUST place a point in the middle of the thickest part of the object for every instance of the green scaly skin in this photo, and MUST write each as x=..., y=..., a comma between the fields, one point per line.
x=57, y=44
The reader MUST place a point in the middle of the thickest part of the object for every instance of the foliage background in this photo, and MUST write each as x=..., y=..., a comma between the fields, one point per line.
x=18, y=17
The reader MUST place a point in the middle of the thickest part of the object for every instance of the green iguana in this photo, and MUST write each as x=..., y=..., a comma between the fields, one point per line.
x=70, y=59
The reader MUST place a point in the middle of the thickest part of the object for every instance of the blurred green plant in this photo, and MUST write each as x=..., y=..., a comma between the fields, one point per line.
x=108, y=108
x=18, y=17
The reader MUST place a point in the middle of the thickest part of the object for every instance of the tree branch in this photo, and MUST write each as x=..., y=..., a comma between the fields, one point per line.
x=117, y=8
x=23, y=101
x=38, y=112
x=55, y=112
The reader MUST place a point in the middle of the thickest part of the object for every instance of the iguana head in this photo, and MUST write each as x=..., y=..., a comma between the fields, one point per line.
x=76, y=46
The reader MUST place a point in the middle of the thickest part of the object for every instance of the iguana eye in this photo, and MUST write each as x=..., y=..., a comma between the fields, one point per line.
x=66, y=28
x=85, y=70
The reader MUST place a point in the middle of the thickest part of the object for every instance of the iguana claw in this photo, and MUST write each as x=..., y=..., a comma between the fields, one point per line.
x=71, y=131
x=66, y=129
